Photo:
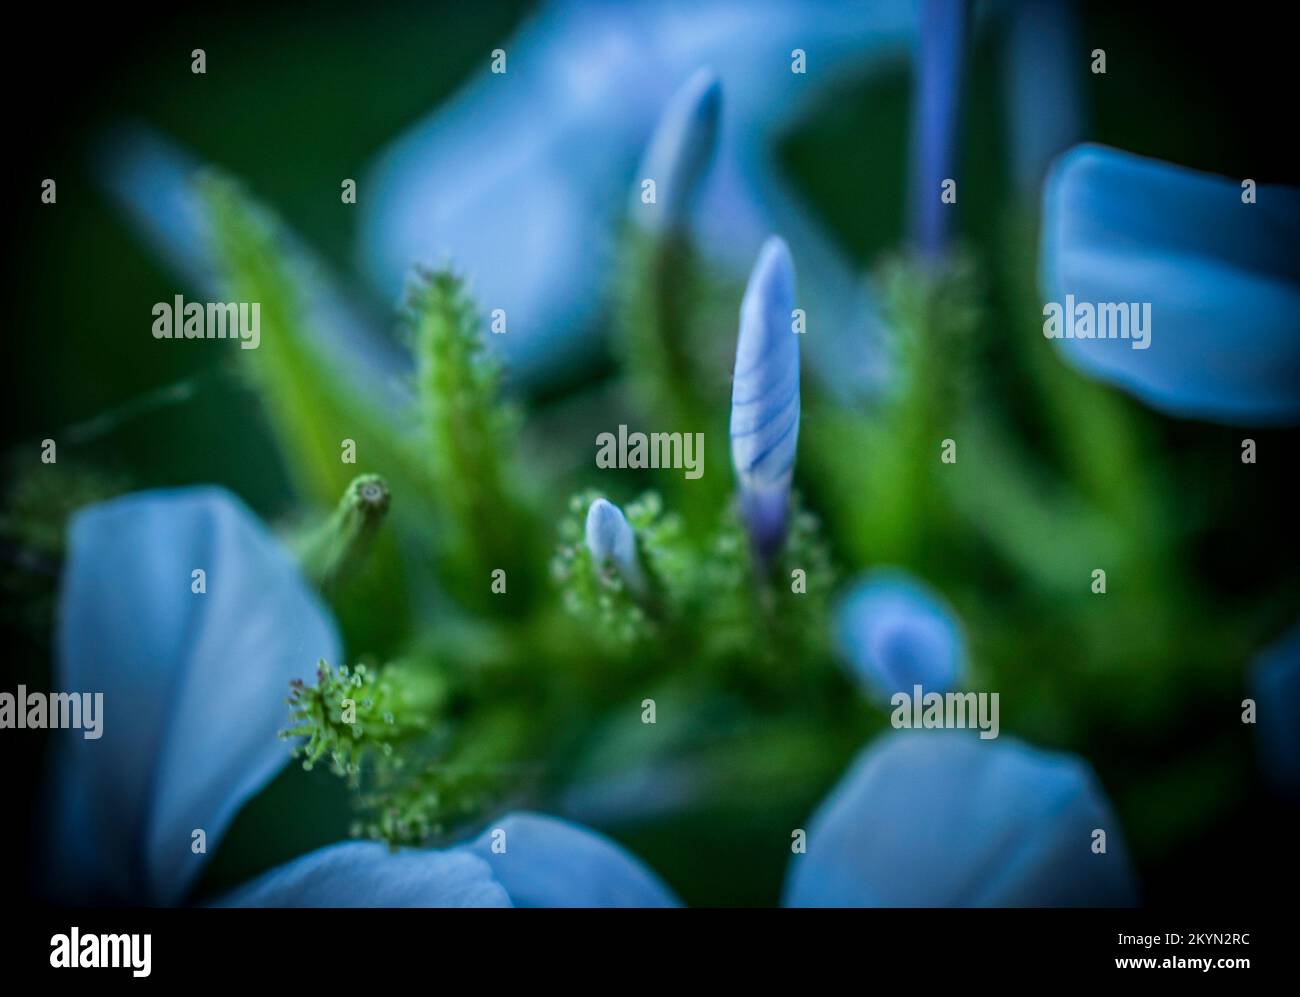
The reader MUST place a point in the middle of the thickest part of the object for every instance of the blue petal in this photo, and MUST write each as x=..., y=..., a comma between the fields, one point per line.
x=151, y=181
x=1222, y=277
x=895, y=634
x=679, y=153
x=369, y=874
x=941, y=818
x=1275, y=686
x=549, y=862
x=939, y=62
x=765, y=396
x=194, y=684
x=502, y=179
x=523, y=860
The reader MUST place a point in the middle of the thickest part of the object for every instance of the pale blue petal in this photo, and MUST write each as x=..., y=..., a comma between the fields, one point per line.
x=521, y=179
x=1222, y=277
x=370, y=874
x=521, y=860
x=548, y=862
x=150, y=179
x=1275, y=686
x=678, y=153
x=896, y=633
x=194, y=684
x=765, y=397
x=943, y=819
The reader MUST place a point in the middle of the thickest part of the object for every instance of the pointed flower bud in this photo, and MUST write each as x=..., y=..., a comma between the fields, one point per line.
x=765, y=398
x=612, y=542
x=939, y=63
x=678, y=153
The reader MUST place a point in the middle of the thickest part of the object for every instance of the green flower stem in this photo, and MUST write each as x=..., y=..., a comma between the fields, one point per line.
x=469, y=440
x=333, y=552
x=677, y=373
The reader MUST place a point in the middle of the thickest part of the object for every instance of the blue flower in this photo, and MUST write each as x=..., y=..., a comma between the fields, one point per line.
x=1275, y=686
x=193, y=683
x=679, y=153
x=1222, y=278
x=765, y=398
x=523, y=860
x=942, y=818
x=939, y=62
x=612, y=542
x=895, y=634
x=194, y=671
x=503, y=180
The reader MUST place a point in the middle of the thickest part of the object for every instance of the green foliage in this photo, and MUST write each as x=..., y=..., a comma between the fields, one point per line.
x=385, y=732
x=708, y=593
x=33, y=535
x=893, y=495
x=312, y=402
x=758, y=626
x=659, y=284
x=354, y=714
x=669, y=310
x=468, y=442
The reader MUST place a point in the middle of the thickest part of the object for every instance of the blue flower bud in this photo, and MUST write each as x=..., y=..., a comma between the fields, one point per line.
x=765, y=398
x=939, y=62
x=612, y=542
x=678, y=153
x=896, y=634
